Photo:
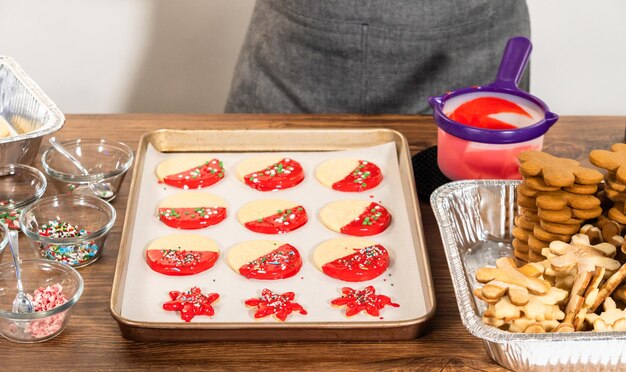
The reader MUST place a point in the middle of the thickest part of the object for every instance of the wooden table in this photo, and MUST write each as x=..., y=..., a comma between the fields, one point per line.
x=93, y=341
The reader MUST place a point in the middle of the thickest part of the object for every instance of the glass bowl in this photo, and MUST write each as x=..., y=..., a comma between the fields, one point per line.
x=20, y=185
x=37, y=274
x=71, y=229
x=106, y=161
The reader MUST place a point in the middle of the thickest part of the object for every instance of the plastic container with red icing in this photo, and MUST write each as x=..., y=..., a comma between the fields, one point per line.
x=482, y=129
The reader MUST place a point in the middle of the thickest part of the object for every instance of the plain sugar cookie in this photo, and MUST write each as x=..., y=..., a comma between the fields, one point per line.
x=272, y=216
x=350, y=175
x=192, y=210
x=191, y=171
x=351, y=259
x=182, y=254
x=355, y=217
x=270, y=172
x=265, y=259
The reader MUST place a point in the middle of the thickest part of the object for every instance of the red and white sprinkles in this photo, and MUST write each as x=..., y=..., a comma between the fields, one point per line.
x=279, y=305
x=45, y=299
x=362, y=300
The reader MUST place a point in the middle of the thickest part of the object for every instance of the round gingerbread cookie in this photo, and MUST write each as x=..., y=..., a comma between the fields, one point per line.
x=350, y=175
x=270, y=172
x=355, y=217
x=182, y=254
x=351, y=259
x=265, y=259
x=192, y=210
x=272, y=216
x=191, y=171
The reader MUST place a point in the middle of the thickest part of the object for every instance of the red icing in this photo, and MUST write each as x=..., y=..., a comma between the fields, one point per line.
x=362, y=300
x=202, y=175
x=365, y=264
x=191, y=218
x=365, y=176
x=476, y=113
x=180, y=262
x=191, y=303
x=282, y=175
x=280, y=305
x=280, y=222
x=374, y=220
x=282, y=262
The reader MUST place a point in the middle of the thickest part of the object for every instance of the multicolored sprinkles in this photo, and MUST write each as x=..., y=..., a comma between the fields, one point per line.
x=357, y=300
x=73, y=254
x=279, y=305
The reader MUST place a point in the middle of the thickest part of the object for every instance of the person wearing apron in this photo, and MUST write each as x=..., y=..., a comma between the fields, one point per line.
x=369, y=56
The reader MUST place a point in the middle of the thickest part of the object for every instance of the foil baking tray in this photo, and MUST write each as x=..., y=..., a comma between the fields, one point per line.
x=29, y=113
x=475, y=219
x=136, y=305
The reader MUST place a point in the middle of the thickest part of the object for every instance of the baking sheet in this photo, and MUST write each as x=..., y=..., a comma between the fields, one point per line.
x=144, y=291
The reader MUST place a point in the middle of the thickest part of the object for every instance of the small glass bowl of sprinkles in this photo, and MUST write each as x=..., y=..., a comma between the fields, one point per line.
x=71, y=229
x=20, y=186
x=53, y=289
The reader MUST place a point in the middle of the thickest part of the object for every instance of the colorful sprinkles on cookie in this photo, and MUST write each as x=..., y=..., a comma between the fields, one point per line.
x=365, y=176
x=279, y=305
x=201, y=174
x=284, y=174
x=191, y=303
x=366, y=299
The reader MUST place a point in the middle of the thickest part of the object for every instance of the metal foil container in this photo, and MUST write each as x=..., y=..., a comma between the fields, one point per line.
x=27, y=110
x=475, y=219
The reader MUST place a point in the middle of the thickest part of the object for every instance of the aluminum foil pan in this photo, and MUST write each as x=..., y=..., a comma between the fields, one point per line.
x=475, y=219
x=28, y=111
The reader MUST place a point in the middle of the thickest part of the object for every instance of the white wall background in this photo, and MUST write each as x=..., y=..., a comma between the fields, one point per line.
x=109, y=56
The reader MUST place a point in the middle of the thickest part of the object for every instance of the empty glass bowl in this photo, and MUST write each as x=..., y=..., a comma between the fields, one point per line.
x=106, y=161
x=55, y=288
x=20, y=185
x=70, y=229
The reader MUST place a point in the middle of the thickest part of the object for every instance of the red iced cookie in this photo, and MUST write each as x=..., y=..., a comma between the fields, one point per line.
x=192, y=210
x=351, y=259
x=272, y=216
x=270, y=173
x=191, y=303
x=182, y=254
x=264, y=259
x=355, y=217
x=279, y=305
x=192, y=171
x=366, y=299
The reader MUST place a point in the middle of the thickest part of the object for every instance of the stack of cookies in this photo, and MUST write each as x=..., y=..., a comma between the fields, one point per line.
x=614, y=162
x=556, y=197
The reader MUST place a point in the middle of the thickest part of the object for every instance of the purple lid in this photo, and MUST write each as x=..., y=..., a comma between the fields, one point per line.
x=510, y=71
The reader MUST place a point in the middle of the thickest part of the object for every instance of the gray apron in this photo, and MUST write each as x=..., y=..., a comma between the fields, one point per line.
x=369, y=56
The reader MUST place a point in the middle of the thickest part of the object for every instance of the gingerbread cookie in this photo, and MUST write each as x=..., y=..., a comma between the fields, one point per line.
x=613, y=161
x=556, y=171
x=558, y=200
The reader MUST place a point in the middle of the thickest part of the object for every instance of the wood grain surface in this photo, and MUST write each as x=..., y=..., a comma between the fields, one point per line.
x=92, y=340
